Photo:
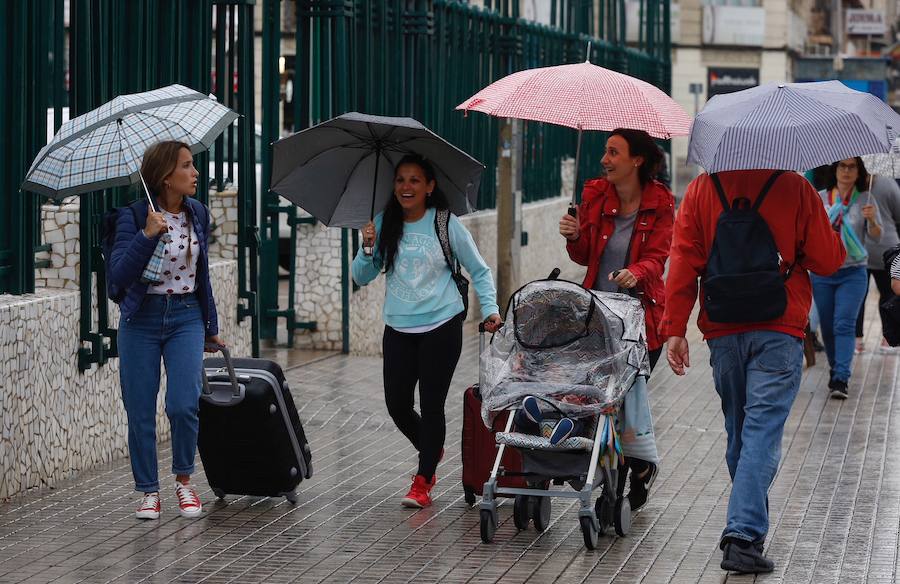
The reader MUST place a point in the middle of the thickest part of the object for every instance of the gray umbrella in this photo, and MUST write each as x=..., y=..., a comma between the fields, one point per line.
x=790, y=126
x=342, y=171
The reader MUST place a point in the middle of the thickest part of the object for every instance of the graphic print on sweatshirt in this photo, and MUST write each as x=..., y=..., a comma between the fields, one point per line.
x=415, y=267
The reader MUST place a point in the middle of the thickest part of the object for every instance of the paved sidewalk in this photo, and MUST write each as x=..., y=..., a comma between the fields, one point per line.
x=835, y=505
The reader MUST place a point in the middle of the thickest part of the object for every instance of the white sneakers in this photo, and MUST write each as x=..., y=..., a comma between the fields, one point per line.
x=188, y=503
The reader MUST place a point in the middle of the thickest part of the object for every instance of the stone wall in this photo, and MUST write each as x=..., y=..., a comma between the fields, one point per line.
x=319, y=275
x=55, y=420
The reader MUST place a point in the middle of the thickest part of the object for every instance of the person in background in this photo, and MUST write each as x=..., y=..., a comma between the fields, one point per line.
x=887, y=193
x=854, y=215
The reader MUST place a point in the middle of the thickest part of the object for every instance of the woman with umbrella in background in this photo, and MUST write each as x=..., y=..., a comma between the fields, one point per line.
x=622, y=234
x=423, y=309
x=854, y=215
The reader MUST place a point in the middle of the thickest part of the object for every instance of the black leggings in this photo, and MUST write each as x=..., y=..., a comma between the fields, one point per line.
x=883, y=283
x=428, y=359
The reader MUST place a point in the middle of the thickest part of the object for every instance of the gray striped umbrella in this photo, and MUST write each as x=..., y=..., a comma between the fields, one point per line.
x=790, y=126
x=103, y=148
x=884, y=164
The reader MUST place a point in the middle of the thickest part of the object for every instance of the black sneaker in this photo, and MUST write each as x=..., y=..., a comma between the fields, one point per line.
x=744, y=557
x=838, y=389
x=640, y=486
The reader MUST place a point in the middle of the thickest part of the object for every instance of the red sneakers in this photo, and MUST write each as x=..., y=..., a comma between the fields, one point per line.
x=149, y=508
x=188, y=502
x=419, y=493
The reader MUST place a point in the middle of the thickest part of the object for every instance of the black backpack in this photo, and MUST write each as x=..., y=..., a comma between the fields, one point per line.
x=107, y=240
x=744, y=281
x=442, y=228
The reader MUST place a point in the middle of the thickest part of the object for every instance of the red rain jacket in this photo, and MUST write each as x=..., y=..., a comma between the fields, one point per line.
x=650, y=243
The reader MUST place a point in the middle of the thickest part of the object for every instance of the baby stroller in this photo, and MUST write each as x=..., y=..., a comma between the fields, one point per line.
x=578, y=352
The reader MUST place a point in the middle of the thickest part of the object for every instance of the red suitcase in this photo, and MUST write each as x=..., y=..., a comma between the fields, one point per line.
x=479, y=450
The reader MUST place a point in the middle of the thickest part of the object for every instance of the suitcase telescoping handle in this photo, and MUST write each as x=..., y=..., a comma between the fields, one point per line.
x=228, y=366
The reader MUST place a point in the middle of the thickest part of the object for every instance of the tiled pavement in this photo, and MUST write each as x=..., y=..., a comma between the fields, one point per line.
x=835, y=505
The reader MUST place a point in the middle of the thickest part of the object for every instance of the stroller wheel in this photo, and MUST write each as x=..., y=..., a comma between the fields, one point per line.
x=470, y=496
x=522, y=511
x=622, y=516
x=603, y=509
x=589, y=532
x=488, y=526
x=541, y=513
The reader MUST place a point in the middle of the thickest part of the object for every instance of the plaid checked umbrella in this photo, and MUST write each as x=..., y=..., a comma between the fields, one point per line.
x=103, y=148
x=585, y=97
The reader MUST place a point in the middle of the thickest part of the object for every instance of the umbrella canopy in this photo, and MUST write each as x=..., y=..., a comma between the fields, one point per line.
x=342, y=171
x=884, y=164
x=582, y=96
x=103, y=148
x=790, y=126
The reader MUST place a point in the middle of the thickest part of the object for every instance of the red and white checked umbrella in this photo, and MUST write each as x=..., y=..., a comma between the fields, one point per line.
x=585, y=97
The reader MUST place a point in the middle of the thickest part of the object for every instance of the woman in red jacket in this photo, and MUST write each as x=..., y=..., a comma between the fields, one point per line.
x=622, y=234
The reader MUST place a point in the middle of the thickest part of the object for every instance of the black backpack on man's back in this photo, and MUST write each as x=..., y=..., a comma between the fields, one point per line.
x=744, y=281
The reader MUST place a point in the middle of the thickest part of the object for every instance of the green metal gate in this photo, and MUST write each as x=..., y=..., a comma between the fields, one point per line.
x=114, y=48
x=421, y=58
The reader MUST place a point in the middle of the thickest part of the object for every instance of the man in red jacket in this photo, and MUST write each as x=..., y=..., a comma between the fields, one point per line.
x=756, y=365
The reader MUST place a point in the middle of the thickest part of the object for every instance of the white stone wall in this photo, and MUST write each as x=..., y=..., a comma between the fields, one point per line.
x=319, y=275
x=223, y=209
x=55, y=420
x=60, y=224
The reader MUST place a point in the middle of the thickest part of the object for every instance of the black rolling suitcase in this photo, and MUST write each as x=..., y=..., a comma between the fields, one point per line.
x=251, y=440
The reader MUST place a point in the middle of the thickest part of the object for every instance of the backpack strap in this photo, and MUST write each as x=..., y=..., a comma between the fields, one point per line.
x=442, y=228
x=720, y=191
x=766, y=188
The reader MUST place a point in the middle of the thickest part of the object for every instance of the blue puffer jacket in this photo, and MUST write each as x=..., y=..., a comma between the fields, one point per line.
x=132, y=250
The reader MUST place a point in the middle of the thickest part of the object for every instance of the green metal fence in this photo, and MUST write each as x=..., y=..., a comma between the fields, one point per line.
x=111, y=48
x=421, y=58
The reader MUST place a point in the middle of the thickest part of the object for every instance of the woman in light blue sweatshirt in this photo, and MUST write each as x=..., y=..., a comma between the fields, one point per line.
x=423, y=309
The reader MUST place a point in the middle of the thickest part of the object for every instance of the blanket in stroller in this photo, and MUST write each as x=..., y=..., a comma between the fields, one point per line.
x=576, y=349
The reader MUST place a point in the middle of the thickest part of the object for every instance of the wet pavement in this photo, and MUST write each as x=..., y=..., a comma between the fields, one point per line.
x=835, y=505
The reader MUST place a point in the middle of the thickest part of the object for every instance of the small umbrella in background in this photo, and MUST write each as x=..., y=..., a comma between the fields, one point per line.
x=341, y=171
x=103, y=148
x=884, y=164
x=790, y=126
x=585, y=97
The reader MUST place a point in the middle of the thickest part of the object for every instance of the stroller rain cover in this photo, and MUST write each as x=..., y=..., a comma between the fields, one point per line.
x=579, y=350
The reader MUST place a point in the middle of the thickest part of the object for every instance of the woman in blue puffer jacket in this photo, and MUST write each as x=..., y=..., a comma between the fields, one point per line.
x=168, y=318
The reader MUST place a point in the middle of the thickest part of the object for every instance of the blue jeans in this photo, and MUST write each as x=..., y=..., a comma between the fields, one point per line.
x=757, y=375
x=838, y=298
x=170, y=327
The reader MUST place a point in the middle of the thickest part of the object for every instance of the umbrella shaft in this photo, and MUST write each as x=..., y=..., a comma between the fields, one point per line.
x=577, y=161
x=375, y=184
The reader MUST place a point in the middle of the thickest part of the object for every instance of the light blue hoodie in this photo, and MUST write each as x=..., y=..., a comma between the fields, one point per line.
x=420, y=290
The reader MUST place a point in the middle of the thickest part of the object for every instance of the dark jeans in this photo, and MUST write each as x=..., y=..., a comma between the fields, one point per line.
x=428, y=359
x=883, y=283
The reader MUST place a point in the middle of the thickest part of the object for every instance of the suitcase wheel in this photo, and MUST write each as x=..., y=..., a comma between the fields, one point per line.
x=291, y=497
x=219, y=493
